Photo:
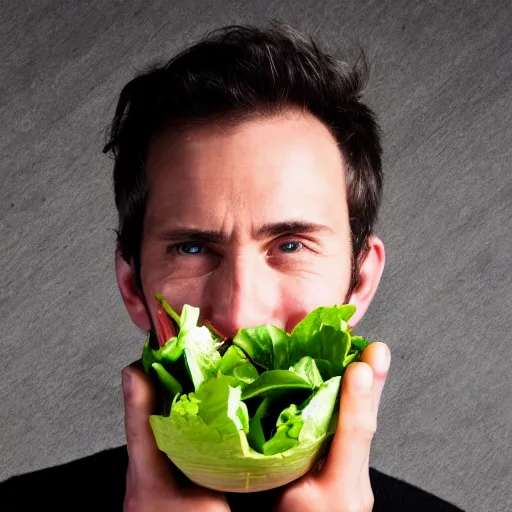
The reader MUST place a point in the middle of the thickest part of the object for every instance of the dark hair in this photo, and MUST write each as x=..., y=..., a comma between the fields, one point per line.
x=235, y=73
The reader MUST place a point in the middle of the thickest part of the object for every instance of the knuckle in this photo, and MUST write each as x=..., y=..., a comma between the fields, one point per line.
x=363, y=428
x=362, y=424
x=370, y=429
x=368, y=496
x=369, y=503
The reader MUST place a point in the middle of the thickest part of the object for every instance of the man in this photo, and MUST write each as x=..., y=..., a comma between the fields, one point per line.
x=247, y=179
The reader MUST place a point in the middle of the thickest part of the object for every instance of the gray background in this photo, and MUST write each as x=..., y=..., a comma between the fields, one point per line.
x=441, y=74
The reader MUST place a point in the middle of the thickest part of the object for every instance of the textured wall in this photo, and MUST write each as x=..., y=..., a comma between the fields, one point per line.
x=441, y=85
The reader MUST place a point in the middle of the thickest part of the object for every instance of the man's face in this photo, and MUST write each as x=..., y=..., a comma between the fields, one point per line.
x=249, y=224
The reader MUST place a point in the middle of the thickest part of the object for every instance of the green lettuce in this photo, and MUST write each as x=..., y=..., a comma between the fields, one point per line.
x=254, y=413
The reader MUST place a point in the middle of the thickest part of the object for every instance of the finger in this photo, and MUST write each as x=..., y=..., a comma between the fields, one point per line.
x=148, y=466
x=356, y=427
x=366, y=486
x=378, y=356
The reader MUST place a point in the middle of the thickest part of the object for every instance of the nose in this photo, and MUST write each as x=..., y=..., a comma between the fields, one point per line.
x=242, y=292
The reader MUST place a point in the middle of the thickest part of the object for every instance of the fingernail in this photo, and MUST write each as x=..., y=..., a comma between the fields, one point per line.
x=388, y=356
x=364, y=380
x=126, y=380
x=382, y=364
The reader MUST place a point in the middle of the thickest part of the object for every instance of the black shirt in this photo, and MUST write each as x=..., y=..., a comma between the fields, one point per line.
x=98, y=483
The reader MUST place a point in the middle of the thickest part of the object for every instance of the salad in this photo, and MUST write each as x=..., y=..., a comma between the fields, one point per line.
x=253, y=412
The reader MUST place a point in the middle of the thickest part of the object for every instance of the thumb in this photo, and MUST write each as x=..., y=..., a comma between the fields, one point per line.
x=147, y=464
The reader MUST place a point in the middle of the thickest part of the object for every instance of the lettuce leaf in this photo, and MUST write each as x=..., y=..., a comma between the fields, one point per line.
x=201, y=356
x=308, y=370
x=208, y=443
x=194, y=347
x=289, y=425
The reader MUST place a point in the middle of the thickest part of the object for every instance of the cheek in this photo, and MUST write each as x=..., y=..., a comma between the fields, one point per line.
x=176, y=293
x=156, y=278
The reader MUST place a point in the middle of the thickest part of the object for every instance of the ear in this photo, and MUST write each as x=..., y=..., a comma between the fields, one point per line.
x=132, y=296
x=370, y=272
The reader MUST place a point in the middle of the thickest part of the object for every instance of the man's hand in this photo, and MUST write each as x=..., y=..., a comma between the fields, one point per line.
x=343, y=482
x=341, y=485
x=152, y=482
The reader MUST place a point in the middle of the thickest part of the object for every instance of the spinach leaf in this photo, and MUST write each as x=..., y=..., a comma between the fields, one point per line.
x=275, y=383
x=235, y=363
x=256, y=434
x=266, y=345
x=169, y=383
x=231, y=358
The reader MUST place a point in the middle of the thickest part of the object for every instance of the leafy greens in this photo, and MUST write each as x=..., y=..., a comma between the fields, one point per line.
x=257, y=416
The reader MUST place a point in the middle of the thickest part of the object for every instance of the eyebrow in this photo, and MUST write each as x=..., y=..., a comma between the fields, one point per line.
x=271, y=229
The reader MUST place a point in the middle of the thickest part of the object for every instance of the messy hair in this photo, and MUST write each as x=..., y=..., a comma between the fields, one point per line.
x=237, y=73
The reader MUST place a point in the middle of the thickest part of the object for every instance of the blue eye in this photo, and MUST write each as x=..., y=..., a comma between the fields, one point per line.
x=290, y=247
x=189, y=248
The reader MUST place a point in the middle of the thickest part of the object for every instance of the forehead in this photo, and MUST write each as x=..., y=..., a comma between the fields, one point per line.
x=287, y=165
